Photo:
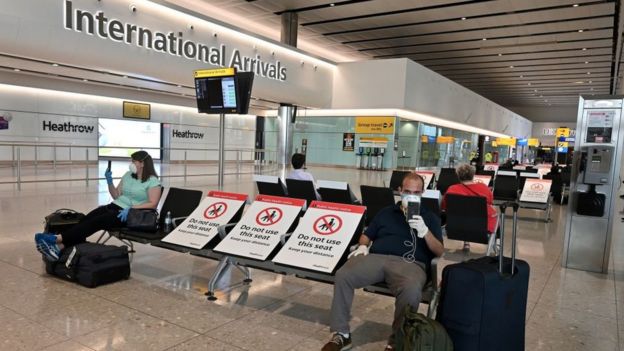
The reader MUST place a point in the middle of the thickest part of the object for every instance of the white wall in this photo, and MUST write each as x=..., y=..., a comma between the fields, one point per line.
x=30, y=107
x=402, y=83
x=35, y=29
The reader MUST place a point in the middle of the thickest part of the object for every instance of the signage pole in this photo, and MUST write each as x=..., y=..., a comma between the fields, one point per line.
x=221, y=149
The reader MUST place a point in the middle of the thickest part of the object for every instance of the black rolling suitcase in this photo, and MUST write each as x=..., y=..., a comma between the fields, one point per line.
x=482, y=303
x=91, y=264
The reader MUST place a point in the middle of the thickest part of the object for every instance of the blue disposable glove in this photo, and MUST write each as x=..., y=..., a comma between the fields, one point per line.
x=123, y=214
x=109, y=177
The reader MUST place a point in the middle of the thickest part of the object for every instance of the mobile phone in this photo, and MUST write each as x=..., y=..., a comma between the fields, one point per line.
x=109, y=165
x=413, y=209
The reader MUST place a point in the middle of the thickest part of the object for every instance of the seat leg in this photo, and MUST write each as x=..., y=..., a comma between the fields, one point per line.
x=223, y=265
x=491, y=245
x=99, y=240
x=246, y=272
x=433, y=304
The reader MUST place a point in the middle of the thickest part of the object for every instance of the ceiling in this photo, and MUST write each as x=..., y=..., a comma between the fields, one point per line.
x=529, y=53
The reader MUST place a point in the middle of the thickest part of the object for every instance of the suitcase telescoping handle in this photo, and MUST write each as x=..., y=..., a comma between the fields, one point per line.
x=503, y=208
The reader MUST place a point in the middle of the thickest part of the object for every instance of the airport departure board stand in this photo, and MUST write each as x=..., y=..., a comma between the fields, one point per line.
x=221, y=150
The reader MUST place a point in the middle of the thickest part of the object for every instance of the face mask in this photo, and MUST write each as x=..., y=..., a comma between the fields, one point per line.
x=132, y=168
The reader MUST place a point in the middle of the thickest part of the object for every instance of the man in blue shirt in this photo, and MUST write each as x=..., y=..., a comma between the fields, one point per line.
x=399, y=255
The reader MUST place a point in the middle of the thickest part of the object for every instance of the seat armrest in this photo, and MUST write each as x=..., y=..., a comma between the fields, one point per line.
x=177, y=220
x=284, y=237
x=223, y=229
x=434, y=271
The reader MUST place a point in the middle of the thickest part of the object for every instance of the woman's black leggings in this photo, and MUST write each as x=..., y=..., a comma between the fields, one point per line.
x=102, y=218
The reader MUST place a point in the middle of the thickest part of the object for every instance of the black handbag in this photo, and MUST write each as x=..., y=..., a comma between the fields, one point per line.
x=61, y=220
x=145, y=220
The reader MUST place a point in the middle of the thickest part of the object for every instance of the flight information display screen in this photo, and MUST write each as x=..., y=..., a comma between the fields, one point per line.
x=216, y=94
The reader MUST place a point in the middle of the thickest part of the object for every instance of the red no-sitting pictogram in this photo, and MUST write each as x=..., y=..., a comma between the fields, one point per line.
x=327, y=225
x=215, y=210
x=537, y=187
x=269, y=216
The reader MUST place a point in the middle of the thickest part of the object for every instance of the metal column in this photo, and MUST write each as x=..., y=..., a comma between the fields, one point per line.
x=221, y=149
x=285, y=134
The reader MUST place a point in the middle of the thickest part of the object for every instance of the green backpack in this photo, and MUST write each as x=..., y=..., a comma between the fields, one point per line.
x=420, y=333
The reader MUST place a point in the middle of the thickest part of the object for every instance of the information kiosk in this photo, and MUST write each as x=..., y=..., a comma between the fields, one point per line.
x=592, y=216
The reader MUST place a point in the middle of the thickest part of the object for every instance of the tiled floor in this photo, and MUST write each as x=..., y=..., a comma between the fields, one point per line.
x=162, y=306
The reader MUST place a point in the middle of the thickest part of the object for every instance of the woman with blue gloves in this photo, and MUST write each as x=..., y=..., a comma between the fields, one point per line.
x=138, y=188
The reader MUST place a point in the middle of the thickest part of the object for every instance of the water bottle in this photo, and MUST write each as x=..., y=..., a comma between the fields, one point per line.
x=168, y=223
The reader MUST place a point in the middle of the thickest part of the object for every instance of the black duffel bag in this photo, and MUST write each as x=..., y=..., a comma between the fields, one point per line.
x=91, y=264
x=145, y=220
x=61, y=220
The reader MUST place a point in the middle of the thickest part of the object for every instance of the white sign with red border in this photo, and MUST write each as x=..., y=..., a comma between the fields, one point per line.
x=490, y=167
x=258, y=233
x=321, y=237
x=536, y=190
x=483, y=179
x=200, y=227
x=427, y=176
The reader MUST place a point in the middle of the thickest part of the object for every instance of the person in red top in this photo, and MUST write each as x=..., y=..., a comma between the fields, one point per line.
x=468, y=187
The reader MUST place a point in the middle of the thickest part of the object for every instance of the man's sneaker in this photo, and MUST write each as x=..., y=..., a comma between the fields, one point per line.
x=46, y=244
x=338, y=343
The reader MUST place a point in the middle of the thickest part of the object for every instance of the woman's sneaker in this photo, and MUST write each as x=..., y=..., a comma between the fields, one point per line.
x=338, y=343
x=46, y=244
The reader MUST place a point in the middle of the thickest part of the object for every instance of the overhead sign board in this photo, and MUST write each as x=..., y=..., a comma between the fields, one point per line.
x=536, y=190
x=506, y=141
x=322, y=236
x=258, y=232
x=219, y=72
x=374, y=125
x=200, y=227
x=445, y=140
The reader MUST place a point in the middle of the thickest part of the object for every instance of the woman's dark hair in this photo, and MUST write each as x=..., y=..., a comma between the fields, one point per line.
x=148, y=165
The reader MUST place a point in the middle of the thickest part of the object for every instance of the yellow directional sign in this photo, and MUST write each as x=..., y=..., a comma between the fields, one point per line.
x=374, y=125
x=219, y=72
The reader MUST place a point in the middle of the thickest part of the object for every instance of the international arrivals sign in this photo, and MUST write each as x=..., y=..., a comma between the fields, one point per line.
x=173, y=42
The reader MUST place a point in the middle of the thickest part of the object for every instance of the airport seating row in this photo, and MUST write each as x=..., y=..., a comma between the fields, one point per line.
x=184, y=203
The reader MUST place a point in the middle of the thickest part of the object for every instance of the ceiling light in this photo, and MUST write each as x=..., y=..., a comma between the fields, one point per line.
x=85, y=80
x=500, y=54
x=575, y=5
x=484, y=39
x=580, y=31
x=529, y=83
x=584, y=49
x=125, y=76
x=510, y=66
x=590, y=82
x=535, y=90
x=586, y=62
x=332, y=5
x=588, y=72
x=16, y=69
x=179, y=86
x=463, y=18
x=521, y=76
x=55, y=64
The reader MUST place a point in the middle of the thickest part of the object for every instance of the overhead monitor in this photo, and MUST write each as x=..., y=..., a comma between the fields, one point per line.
x=244, y=84
x=216, y=91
